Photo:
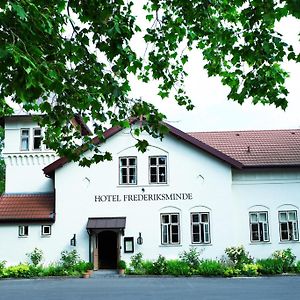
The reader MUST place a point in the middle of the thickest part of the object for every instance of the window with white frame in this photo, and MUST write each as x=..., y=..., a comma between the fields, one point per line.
x=37, y=138
x=25, y=139
x=200, y=228
x=170, y=229
x=128, y=170
x=288, y=225
x=46, y=230
x=23, y=230
x=259, y=227
x=158, y=169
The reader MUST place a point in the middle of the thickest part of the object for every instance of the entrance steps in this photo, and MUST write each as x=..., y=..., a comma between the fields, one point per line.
x=105, y=273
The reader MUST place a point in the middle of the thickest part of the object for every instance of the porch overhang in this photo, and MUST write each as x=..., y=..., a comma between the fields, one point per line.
x=96, y=225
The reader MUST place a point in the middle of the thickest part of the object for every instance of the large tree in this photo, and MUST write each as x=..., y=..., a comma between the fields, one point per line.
x=61, y=58
x=2, y=164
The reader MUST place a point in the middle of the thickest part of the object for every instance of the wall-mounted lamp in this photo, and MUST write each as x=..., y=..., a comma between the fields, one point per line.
x=139, y=239
x=73, y=240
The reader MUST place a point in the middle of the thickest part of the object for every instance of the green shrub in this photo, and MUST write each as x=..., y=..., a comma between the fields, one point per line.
x=191, y=258
x=160, y=265
x=2, y=267
x=35, y=256
x=68, y=260
x=55, y=270
x=287, y=258
x=238, y=256
x=231, y=272
x=250, y=270
x=177, y=268
x=147, y=267
x=136, y=264
x=297, y=267
x=122, y=264
x=80, y=267
x=90, y=266
x=210, y=267
x=269, y=266
x=19, y=271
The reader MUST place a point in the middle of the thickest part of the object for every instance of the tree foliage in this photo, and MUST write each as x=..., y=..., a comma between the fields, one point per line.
x=61, y=58
x=2, y=164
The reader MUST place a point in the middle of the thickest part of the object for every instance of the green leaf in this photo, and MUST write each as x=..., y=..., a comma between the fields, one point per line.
x=19, y=10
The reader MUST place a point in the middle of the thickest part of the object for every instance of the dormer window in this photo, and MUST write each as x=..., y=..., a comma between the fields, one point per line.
x=37, y=138
x=25, y=139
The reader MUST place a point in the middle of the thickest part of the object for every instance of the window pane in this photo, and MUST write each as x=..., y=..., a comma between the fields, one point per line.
x=162, y=174
x=195, y=228
x=292, y=216
x=124, y=179
x=153, y=161
x=254, y=232
x=25, y=143
x=174, y=218
x=204, y=218
x=263, y=217
x=202, y=232
x=161, y=160
x=282, y=217
x=25, y=132
x=37, y=143
x=132, y=161
x=123, y=161
x=253, y=218
x=132, y=179
x=175, y=229
x=265, y=234
x=195, y=218
x=196, y=238
x=132, y=171
x=37, y=132
x=206, y=232
x=165, y=234
x=165, y=218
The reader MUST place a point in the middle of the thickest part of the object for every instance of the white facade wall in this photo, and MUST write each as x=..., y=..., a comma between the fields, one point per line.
x=227, y=194
x=24, y=172
x=189, y=171
x=270, y=190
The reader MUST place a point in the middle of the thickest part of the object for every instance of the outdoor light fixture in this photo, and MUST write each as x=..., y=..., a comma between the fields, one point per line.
x=73, y=240
x=139, y=239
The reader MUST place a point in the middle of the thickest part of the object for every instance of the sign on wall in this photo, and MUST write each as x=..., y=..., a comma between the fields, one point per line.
x=143, y=197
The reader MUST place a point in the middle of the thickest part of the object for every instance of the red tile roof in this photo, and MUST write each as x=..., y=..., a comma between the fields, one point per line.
x=262, y=148
x=27, y=207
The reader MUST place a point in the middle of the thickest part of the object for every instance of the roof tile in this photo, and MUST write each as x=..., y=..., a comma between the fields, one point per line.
x=26, y=207
x=256, y=148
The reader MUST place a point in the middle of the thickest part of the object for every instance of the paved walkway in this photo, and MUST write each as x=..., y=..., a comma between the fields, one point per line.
x=156, y=288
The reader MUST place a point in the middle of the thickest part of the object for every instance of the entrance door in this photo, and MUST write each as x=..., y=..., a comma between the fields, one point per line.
x=108, y=249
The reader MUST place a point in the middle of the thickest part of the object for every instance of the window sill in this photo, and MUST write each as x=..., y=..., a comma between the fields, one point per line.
x=259, y=243
x=46, y=236
x=288, y=242
x=170, y=245
x=23, y=237
x=143, y=185
x=200, y=245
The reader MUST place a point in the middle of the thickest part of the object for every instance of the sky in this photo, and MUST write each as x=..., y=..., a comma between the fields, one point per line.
x=213, y=112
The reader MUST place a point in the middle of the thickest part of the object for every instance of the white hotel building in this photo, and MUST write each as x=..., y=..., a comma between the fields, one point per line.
x=206, y=190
